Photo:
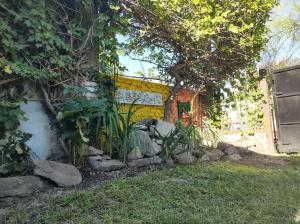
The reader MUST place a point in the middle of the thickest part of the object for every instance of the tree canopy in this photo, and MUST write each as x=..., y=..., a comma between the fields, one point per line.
x=198, y=42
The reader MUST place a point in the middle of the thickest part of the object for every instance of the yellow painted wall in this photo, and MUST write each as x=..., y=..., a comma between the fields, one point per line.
x=145, y=111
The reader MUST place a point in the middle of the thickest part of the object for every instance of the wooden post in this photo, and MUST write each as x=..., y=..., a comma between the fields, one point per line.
x=267, y=120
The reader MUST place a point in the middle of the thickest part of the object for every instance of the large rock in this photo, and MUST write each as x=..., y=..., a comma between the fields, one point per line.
x=99, y=164
x=20, y=186
x=185, y=158
x=164, y=128
x=212, y=155
x=145, y=162
x=135, y=154
x=61, y=174
x=92, y=151
x=142, y=140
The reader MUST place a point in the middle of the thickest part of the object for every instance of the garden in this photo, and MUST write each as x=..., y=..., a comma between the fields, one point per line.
x=71, y=152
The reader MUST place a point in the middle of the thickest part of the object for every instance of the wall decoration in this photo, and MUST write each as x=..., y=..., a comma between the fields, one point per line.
x=144, y=98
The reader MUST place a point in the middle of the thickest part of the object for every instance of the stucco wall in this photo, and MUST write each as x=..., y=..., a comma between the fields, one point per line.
x=145, y=111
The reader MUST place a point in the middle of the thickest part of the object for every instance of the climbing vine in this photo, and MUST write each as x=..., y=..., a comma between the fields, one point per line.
x=53, y=44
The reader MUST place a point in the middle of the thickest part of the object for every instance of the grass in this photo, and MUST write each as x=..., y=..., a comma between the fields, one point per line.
x=202, y=193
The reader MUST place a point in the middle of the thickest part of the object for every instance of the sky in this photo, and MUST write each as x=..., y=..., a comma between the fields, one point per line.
x=133, y=66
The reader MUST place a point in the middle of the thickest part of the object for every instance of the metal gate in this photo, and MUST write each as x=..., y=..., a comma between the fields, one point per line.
x=286, y=94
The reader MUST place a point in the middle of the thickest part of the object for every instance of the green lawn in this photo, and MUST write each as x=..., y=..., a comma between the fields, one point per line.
x=203, y=193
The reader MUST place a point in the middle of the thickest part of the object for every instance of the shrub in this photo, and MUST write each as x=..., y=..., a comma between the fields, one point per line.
x=182, y=139
x=97, y=122
x=14, y=154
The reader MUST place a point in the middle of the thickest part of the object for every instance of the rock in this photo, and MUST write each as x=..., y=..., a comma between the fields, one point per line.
x=231, y=150
x=147, y=122
x=145, y=162
x=92, y=151
x=205, y=158
x=157, y=147
x=152, y=130
x=134, y=154
x=106, y=157
x=197, y=153
x=94, y=159
x=20, y=186
x=61, y=174
x=141, y=140
x=164, y=128
x=106, y=165
x=185, y=158
x=180, y=149
x=159, y=141
x=169, y=162
x=212, y=155
x=142, y=127
x=223, y=145
x=233, y=157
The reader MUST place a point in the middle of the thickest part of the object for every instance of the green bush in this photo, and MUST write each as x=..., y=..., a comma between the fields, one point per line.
x=182, y=139
x=14, y=154
x=96, y=122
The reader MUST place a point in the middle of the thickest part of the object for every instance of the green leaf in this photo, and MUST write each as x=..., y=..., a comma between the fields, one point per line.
x=7, y=69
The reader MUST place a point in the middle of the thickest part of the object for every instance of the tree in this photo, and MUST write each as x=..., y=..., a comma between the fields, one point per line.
x=283, y=45
x=198, y=43
x=202, y=37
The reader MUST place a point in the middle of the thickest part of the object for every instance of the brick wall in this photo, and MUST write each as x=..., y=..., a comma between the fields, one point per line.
x=185, y=95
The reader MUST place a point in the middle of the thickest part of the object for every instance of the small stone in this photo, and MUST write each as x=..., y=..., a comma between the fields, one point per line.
x=205, y=158
x=145, y=162
x=141, y=127
x=106, y=157
x=231, y=150
x=185, y=158
x=223, y=145
x=233, y=157
x=20, y=186
x=60, y=173
x=170, y=162
x=92, y=160
x=92, y=151
x=159, y=141
x=107, y=165
x=180, y=149
x=134, y=154
x=156, y=147
x=212, y=155
x=197, y=153
x=147, y=122
x=152, y=130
